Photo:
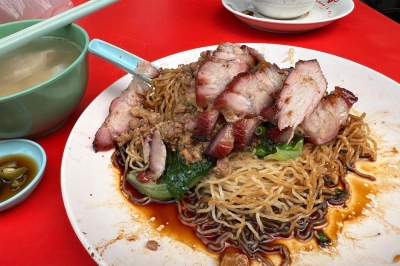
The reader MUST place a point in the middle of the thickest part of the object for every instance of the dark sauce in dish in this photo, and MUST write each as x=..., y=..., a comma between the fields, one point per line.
x=6, y=191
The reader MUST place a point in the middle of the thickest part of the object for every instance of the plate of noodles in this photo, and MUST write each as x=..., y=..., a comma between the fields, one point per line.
x=315, y=210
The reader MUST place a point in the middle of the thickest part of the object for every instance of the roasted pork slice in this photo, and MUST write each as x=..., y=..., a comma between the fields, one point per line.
x=243, y=131
x=144, y=68
x=103, y=140
x=117, y=121
x=155, y=153
x=324, y=123
x=147, y=69
x=226, y=62
x=139, y=86
x=280, y=136
x=250, y=92
x=222, y=142
x=205, y=125
x=302, y=91
x=269, y=114
x=228, y=52
x=328, y=117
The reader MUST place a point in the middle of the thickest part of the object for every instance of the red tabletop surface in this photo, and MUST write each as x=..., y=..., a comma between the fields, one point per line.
x=38, y=232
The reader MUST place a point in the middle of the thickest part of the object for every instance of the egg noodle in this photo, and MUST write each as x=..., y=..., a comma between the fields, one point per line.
x=166, y=91
x=261, y=200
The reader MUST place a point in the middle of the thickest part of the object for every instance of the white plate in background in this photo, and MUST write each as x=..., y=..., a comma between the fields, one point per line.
x=323, y=13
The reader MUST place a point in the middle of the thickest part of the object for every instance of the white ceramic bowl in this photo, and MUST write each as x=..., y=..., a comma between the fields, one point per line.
x=31, y=149
x=283, y=9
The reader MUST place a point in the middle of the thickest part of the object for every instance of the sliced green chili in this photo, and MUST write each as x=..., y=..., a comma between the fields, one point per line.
x=17, y=183
x=9, y=172
x=8, y=165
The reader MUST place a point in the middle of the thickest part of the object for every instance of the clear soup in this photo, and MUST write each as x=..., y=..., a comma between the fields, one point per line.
x=35, y=63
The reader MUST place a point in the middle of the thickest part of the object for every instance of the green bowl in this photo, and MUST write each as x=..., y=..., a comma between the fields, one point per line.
x=44, y=108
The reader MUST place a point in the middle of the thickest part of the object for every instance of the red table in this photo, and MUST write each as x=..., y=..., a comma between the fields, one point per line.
x=38, y=232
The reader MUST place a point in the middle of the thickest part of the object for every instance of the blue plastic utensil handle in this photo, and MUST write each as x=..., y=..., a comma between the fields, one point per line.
x=117, y=56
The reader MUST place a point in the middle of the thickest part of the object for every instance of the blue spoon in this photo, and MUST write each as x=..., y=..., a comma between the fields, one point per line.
x=118, y=57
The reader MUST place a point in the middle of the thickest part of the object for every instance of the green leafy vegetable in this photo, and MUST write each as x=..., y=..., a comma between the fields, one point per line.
x=279, y=152
x=154, y=191
x=265, y=148
x=285, y=152
x=180, y=177
x=177, y=180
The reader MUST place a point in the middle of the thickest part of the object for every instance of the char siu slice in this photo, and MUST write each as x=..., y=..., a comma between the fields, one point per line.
x=302, y=91
x=280, y=136
x=243, y=131
x=328, y=117
x=324, y=123
x=249, y=92
x=222, y=142
x=117, y=121
x=155, y=152
x=205, y=125
x=226, y=62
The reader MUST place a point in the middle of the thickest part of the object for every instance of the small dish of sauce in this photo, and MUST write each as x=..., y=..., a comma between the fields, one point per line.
x=12, y=180
x=22, y=164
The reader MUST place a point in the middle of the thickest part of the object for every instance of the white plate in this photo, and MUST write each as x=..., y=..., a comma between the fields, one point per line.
x=103, y=219
x=323, y=13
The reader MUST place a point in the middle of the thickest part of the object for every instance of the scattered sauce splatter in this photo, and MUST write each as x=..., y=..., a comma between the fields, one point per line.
x=396, y=259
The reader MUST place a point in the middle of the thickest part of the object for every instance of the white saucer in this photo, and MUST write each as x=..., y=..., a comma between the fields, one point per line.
x=323, y=13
